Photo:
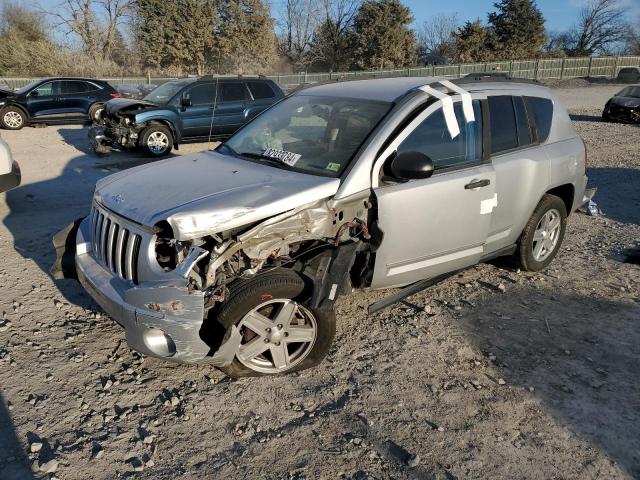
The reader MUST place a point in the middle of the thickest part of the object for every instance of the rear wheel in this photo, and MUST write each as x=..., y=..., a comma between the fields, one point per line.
x=543, y=234
x=156, y=140
x=280, y=334
x=12, y=118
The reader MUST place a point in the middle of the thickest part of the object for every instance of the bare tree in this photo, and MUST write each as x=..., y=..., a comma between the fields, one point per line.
x=331, y=44
x=94, y=22
x=601, y=26
x=436, y=43
x=299, y=20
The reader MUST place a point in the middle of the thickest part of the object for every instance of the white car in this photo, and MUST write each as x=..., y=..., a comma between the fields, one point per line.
x=9, y=168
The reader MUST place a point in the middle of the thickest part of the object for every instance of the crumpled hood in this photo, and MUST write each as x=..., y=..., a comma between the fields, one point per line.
x=123, y=105
x=6, y=93
x=208, y=193
x=626, y=101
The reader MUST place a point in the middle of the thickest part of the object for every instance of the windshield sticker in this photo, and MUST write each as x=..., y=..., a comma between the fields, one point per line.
x=288, y=158
x=333, y=166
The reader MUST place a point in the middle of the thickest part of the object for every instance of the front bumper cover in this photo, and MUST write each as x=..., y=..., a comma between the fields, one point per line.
x=160, y=319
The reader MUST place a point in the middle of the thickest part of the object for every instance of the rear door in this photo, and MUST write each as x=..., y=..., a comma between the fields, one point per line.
x=233, y=97
x=76, y=97
x=439, y=224
x=46, y=100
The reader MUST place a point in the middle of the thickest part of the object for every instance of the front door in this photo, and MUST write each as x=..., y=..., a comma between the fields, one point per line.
x=46, y=101
x=197, y=116
x=439, y=224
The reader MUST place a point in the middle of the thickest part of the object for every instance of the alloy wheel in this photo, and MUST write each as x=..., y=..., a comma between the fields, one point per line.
x=276, y=336
x=158, y=142
x=545, y=237
x=13, y=119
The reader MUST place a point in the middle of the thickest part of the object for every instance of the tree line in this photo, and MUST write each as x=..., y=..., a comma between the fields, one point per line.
x=129, y=37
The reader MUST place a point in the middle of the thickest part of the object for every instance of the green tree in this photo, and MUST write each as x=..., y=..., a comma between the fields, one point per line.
x=474, y=43
x=175, y=36
x=245, y=40
x=331, y=45
x=382, y=35
x=518, y=26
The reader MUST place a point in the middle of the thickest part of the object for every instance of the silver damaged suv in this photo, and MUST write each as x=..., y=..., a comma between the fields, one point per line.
x=235, y=257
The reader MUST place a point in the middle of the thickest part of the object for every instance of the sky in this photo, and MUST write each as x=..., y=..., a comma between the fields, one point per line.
x=559, y=14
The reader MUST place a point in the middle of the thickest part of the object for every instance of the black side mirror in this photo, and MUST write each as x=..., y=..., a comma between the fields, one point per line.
x=34, y=93
x=185, y=101
x=411, y=166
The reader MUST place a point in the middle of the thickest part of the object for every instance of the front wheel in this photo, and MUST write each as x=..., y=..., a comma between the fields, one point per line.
x=12, y=118
x=543, y=234
x=156, y=140
x=280, y=334
x=95, y=113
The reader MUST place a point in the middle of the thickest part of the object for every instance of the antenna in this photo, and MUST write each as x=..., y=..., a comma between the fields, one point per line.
x=215, y=104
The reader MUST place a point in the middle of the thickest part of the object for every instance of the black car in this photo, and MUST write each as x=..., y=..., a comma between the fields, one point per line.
x=629, y=75
x=624, y=106
x=53, y=100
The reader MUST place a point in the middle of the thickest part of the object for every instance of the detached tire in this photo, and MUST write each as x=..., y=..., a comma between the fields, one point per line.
x=156, y=141
x=542, y=236
x=95, y=113
x=280, y=334
x=12, y=118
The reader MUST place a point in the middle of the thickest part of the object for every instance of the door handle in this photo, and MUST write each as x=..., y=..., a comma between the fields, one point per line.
x=477, y=184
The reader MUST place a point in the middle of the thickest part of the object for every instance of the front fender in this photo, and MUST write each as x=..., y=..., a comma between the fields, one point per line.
x=167, y=117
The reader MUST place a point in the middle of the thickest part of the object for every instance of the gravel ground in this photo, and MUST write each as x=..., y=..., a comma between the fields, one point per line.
x=492, y=374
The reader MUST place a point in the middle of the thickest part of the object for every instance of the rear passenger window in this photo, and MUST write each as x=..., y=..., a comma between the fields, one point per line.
x=432, y=138
x=522, y=122
x=542, y=111
x=73, y=86
x=260, y=90
x=504, y=132
x=232, y=92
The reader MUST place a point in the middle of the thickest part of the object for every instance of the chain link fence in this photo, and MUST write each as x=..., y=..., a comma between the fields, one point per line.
x=540, y=69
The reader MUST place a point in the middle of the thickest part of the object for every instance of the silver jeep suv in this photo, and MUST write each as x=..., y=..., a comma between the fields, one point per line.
x=236, y=256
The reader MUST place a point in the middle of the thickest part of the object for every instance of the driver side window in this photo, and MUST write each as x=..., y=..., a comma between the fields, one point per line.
x=49, y=88
x=432, y=138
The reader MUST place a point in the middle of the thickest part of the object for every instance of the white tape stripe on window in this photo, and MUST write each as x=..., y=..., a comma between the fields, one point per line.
x=467, y=106
x=447, y=109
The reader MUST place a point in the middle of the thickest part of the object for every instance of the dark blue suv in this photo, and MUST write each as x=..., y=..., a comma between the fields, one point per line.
x=54, y=100
x=191, y=108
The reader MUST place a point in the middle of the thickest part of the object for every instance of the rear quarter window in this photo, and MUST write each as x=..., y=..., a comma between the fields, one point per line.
x=260, y=90
x=541, y=110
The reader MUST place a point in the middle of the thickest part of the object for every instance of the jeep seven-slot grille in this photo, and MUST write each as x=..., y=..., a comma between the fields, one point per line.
x=115, y=247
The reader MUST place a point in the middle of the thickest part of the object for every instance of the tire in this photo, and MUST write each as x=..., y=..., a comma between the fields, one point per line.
x=156, y=141
x=95, y=113
x=545, y=240
x=12, y=118
x=268, y=293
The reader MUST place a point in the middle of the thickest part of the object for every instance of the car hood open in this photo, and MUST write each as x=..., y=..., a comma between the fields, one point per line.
x=208, y=193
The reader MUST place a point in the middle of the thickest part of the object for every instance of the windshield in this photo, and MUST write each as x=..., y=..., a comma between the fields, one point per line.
x=26, y=88
x=309, y=133
x=630, y=92
x=164, y=92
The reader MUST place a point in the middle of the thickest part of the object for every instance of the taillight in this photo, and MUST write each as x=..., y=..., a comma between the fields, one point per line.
x=16, y=167
x=586, y=157
x=115, y=95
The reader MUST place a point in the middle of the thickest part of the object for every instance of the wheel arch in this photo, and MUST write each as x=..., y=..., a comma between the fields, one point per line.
x=164, y=123
x=566, y=193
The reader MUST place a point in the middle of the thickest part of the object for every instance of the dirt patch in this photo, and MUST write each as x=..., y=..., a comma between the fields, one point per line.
x=494, y=373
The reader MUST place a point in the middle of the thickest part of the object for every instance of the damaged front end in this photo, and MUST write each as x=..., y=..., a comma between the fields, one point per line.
x=164, y=289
